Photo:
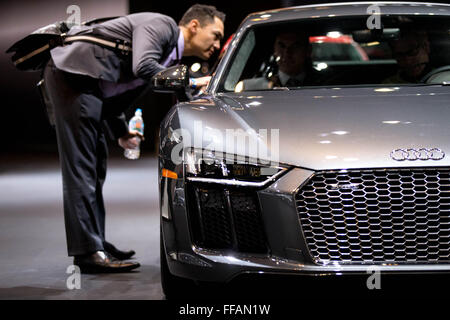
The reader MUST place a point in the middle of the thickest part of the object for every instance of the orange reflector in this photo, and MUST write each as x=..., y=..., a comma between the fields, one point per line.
x=169, y=174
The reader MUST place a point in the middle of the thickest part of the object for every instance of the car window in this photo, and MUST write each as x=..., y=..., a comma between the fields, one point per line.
x=340, y=52
x=240, y=61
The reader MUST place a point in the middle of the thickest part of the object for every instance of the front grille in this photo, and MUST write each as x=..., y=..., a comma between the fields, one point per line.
x=377, y=216
x=226, y=219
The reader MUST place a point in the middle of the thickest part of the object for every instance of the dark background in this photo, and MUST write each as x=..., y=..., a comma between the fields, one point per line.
x=24, y=127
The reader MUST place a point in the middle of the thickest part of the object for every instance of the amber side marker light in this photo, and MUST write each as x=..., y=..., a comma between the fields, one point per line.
x=169, y=174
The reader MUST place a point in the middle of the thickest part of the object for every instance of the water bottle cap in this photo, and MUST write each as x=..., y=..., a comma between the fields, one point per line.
x=138, y=112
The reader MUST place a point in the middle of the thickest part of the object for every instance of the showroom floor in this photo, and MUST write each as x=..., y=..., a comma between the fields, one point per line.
x=32, y=238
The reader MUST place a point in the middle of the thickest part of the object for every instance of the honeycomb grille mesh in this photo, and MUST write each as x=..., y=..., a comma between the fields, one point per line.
x=226, y=219
x=248, y=223
x=377, y=216
x=215, y=218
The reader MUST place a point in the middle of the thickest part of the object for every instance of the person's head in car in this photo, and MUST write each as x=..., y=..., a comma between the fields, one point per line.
x=292, y=51
x=412, y=52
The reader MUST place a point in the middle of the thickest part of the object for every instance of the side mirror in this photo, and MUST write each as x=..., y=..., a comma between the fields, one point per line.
x=174, y=80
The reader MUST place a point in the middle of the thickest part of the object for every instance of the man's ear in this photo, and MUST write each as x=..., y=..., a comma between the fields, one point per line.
x=193, y=26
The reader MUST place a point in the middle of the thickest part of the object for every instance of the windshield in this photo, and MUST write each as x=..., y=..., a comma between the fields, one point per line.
x=341, y=52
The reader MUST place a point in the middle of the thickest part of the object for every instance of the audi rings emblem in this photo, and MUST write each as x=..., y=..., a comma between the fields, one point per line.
x=417, y=154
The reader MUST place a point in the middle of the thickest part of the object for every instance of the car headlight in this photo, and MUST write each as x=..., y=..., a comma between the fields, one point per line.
x=216, y=167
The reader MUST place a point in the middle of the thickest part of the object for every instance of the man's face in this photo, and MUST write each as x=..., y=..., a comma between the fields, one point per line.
x=207, y=39
x=292, y=52
x=412, y=56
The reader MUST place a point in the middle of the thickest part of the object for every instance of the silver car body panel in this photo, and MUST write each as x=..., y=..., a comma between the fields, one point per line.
x=337, y=125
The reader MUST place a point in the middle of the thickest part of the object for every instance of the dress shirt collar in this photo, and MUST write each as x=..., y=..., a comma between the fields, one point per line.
x=175, y=56
x=285, y=77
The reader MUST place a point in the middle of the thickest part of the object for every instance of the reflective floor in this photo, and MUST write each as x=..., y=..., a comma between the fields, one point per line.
x=33, y=254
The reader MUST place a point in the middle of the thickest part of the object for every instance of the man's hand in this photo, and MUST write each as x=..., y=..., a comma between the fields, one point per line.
x=130, y=140
x=200, y=83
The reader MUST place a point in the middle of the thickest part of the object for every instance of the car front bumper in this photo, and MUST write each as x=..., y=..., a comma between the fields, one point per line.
x=288, y=252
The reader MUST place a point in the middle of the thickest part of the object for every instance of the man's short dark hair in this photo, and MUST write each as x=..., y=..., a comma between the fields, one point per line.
x=203, y=13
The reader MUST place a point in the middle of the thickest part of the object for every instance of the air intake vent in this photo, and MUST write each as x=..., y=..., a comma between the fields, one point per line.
x=226, y=219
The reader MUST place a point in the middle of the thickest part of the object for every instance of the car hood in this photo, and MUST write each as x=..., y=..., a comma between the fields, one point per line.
x=323, y=128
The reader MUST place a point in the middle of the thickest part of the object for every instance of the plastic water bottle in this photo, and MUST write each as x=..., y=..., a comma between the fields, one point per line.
x=136, y=123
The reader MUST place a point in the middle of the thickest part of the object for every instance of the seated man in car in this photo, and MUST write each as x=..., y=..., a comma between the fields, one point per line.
x=412, y=52
x=292, y=52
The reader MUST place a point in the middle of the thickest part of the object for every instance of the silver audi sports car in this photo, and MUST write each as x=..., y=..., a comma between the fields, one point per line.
x=305, y=158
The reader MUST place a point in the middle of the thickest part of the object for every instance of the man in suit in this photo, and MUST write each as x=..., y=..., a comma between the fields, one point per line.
x=291, y=55
x=89, y=87
x=412, y=52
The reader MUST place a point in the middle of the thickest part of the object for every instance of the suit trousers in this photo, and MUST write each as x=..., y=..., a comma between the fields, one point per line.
x=83, y=153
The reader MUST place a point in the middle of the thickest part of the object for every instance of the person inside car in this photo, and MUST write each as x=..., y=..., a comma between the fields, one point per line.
x=412, y=52
x=291, y=55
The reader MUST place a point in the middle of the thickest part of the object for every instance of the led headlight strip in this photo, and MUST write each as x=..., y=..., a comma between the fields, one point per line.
x=199, y=164
x=234, y=182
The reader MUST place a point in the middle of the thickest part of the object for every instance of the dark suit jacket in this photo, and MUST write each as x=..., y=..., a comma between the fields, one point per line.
x=153, y=37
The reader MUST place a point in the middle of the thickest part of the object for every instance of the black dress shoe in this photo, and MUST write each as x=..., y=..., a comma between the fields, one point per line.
x=101, y=262
x=116, y=253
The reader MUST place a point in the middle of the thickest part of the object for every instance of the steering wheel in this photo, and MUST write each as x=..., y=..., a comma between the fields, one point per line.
x=428, y=76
